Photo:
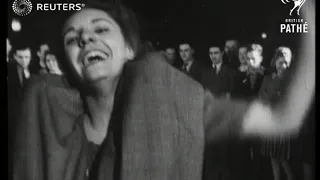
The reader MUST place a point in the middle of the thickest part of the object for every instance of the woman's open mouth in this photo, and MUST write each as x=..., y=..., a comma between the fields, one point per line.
x=93, y=57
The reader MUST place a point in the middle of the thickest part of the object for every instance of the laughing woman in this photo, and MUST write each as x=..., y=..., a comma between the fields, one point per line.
x=128, y=118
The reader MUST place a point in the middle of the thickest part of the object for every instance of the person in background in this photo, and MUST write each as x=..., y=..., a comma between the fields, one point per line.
x=171, y=55
x=248, y=84
x=9, y=48
x=190, y=66
x=41, y=53
x=219, y=80
x=243, y=59
x=277, y=149
x=18, y=74
x=52, y=63
x=231, y=53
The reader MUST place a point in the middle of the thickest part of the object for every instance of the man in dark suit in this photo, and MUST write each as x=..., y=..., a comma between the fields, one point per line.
x=231, y=53
x=190, y=66
x=18, y=73
x=218, y=79
x=18, y=69
x=43, y=48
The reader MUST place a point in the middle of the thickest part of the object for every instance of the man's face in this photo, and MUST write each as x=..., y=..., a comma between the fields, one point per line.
x=186, y=52
x=23, y=57
x=243, y=58
x=215, y=55
x=170, y=54
x=255, y=58
x=41, y=53
x=231, y=46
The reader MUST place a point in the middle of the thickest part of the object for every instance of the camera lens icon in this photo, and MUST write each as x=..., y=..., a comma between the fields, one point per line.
x=22, y=7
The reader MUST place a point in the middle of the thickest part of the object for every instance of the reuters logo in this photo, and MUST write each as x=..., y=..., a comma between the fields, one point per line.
x=22, y=7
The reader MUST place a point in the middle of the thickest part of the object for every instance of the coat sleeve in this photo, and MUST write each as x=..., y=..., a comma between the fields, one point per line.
x=222, y=118
x=28, y=152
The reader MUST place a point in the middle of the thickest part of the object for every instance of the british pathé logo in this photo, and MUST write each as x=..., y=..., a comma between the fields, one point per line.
x=294, y=25
x=22, y=7
x=297, y=5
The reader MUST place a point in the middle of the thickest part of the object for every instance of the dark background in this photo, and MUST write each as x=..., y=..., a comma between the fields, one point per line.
x=167, y=22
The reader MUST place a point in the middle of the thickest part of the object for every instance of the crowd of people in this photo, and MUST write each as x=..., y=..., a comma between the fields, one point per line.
x=236, y=72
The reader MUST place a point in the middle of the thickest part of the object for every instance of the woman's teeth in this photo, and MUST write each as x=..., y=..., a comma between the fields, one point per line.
x=94, y=56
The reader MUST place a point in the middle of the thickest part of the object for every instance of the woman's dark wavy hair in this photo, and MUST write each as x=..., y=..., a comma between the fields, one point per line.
x=125, y=18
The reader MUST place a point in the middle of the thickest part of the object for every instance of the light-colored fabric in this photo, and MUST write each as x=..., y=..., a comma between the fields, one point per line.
x=167, y=119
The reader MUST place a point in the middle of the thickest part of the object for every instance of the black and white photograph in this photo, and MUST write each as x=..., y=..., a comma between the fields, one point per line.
x=161, y=89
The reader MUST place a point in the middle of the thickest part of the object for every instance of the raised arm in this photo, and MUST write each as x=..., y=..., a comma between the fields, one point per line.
x=223, y=118
x=287, y=116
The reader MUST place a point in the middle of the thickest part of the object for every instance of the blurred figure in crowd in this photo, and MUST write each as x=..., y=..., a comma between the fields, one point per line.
x=9, y=47
x=170, y=54
x=190, y=65
x=41, y=53
x=52, y=63
x=243, y=59
x=231, y=53
x=278, y=150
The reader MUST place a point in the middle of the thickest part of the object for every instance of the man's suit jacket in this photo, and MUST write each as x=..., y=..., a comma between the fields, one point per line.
x=167, y=119
x=221, y=83
x=216, y=155
x=232, y=62
x=14, y=93
x=195, y=71
x=242, y=86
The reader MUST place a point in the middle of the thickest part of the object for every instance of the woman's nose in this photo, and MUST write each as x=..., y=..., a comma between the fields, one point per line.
x=86, y=38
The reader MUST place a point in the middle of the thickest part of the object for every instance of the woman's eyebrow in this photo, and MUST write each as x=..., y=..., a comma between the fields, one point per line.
x=101, y=19
x=69, y=30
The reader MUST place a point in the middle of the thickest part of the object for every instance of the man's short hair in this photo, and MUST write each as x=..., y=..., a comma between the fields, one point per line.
x=20, y=47
x=186, y=42
x=218, y=45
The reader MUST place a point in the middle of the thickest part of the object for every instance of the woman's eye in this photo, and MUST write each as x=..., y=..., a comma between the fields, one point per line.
x=102, y=30
x=71, y=40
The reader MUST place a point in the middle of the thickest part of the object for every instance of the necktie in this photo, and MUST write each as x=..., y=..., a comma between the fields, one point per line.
x=25, y=76
x=214, y=69
x=184, y=67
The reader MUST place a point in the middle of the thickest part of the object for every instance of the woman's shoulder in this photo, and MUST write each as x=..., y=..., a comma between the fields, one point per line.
x=40, y=85
x=48, y=80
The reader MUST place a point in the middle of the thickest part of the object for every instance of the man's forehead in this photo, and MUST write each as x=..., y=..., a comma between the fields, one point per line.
x=185, y=46
x=170, y=50
x=231, y=42
x=23, y=51
x=214, y=49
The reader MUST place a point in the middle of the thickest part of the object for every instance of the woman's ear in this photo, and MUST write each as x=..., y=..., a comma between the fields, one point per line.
x=130, y=53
